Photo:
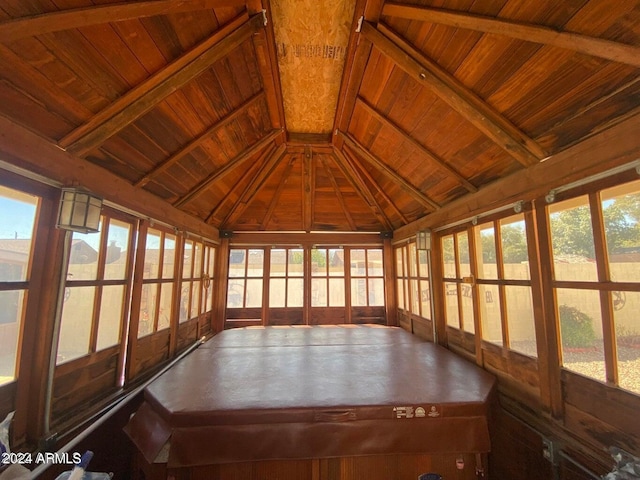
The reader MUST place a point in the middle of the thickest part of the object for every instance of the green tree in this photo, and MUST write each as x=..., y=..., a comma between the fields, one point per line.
x=514, y=244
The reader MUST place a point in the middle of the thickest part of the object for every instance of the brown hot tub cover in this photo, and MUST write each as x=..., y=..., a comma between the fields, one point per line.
x=313, y=392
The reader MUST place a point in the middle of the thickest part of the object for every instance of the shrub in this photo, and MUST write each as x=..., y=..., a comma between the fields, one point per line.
x=576, y=328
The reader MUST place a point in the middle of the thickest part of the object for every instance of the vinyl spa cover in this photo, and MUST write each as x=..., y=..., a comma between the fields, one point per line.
x=313, y=392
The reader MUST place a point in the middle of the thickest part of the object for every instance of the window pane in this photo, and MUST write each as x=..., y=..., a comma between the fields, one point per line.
x=628, y=338
x=425, y=298
x=295, y=292
x=195, y=299
x=164, y=313
x=319, y=292
x=197, y=260
x=75, y=327
x=572, y=240
x=415, y=296
x=277, y=289
x=212, y=261
x=451, y=304
x=295, y=264
x=413, y=260
x=581, y=332
x=490, y=313
x=318, y=262
x=336, y=292
x=621, y=212
x=399, y=271
x=185, y=297
x=522, y=332
x=83, y=258
x=147, y=309
x=467, y=308
x=336, y=262
x=514, y=248
x=235, y=293
x=463, y=254
x=11, y=307
x=169, y=260
x=256, y=263
x=110, y=316
x=358, y=267
x=400, y=292
x=187, y=258
x=151, y=254
x=374, y=262
x=17, y=211
x=358, y=292
x=448, y=256
x=254, y=293
x=376, y=292
x=117, y=244
x=423, y=267
x=486, y=251
x=278, y=263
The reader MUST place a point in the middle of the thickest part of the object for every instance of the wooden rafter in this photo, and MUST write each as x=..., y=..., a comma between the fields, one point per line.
x=334, y=183
x=597, y=47
x=358, y=148
x=358, y=167
x=276, y=197
x=249, y=173
x=433, y=158
x=199, y=140
x=156, y=88
x=358, y=183
x=449, y=89
x=11, y=30
x=307, y=189
x=235, y=162
x=258, y=182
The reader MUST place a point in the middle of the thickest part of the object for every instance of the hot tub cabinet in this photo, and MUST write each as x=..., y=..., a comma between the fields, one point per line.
x=343, y=402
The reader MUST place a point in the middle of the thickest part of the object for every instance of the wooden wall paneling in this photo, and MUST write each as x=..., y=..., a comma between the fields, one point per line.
x=187, y=334
x=423, y=328
x=391, y=306
x=491, y=123
x=608, y=149
x=220, y=285
x=151, y=351
x=339, y=195
x=276, y=197
x=149, y=93
x=614, y=51
x=437, y=287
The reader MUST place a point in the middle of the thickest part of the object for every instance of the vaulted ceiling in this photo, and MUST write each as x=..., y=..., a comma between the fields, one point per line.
x=361, y=116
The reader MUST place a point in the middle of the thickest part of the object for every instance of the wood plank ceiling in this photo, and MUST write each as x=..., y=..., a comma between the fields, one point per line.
x=182, y=98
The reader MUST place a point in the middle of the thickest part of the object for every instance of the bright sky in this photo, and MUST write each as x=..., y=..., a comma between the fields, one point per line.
x=16, y=218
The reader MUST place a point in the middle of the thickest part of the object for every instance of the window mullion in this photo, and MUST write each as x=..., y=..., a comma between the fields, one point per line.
x=501, y=287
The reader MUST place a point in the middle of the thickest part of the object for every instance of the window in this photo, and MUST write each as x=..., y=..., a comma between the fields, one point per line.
x=286, y=277
x=504, y=284
x=424, y=283
x=97, y=288
x=328, y=279
x=18, y=212
x=246, y=271
x=596, y=260
x=458, y=289
x=367, y=282
x=156, y=304
x=402, y=276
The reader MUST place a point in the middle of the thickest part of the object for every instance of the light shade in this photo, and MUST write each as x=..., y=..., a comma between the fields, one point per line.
x=79, y=211
x=423, y=240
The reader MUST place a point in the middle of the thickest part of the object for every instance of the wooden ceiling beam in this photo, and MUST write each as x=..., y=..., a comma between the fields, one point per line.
x=358, y=148
x=433, y=158
x=144, y=97
x=608, y=149
x=243, y=156
x=597, y=47
x=334, y=183
x=358, y=167
x=276, y=197
x=460, y=98
x=264, y=45
x=224, y=121
x=17, y=28
x=256, y=184
x=38, y=155
x=352, y=175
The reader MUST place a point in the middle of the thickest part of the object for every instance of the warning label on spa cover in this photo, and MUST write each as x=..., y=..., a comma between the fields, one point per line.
x=416, y=412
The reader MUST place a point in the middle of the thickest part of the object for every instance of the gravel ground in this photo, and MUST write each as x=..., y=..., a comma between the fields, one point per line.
x=591, y=364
